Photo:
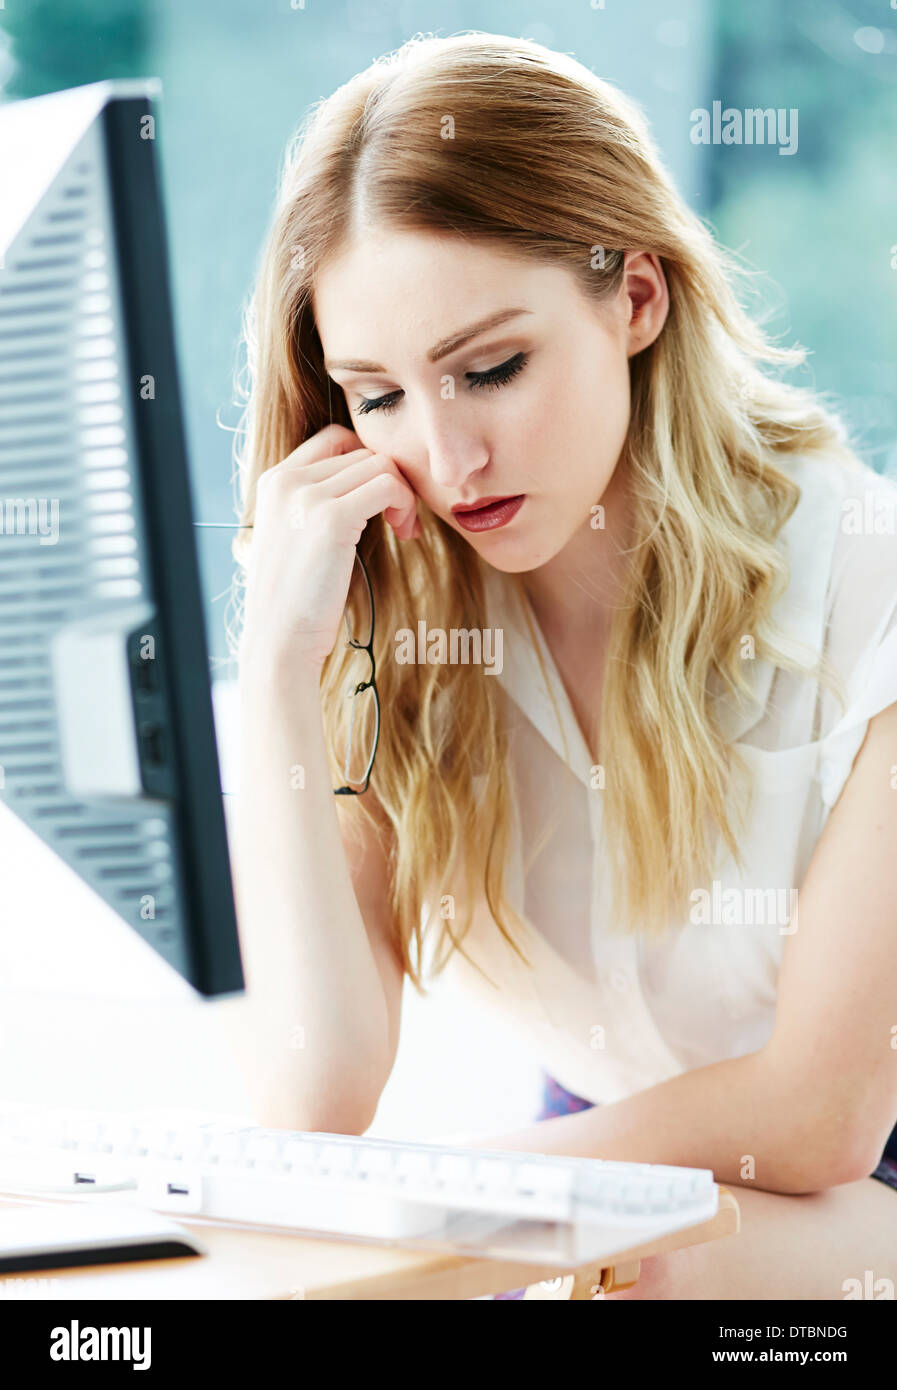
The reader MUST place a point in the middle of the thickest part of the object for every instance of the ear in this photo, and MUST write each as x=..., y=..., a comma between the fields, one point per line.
x=645, y=287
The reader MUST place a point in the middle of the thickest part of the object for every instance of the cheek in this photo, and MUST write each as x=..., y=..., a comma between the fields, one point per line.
x=604, y=406
x=581, y=425
x=535, y=423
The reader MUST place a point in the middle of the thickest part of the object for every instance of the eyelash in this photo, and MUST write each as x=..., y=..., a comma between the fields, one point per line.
x=495, y=377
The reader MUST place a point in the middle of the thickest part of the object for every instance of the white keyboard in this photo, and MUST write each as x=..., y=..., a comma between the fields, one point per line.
x=335, y=1183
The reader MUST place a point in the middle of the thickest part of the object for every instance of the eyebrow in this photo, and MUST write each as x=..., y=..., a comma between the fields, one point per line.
x=443, y=348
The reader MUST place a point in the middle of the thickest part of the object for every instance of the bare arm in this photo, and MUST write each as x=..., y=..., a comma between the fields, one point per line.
x=736, y=1117
x=317, y=1031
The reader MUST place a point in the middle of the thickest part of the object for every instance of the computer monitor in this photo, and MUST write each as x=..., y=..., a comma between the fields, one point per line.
x=107, y=740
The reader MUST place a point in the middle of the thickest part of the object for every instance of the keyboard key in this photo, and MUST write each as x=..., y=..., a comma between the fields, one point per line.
x=454, y=1170
x=492, y=1174
x=373, y=1163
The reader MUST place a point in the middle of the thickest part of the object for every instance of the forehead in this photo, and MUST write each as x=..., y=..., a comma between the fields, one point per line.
x=389, y=287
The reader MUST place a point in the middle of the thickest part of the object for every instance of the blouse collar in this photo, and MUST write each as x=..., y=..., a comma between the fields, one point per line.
x=807, y=539
x=547, y=706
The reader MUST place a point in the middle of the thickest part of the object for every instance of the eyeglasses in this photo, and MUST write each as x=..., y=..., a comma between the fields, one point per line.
x=361, y=689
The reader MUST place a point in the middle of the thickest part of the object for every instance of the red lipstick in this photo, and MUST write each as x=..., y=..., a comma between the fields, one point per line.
x=489, y=513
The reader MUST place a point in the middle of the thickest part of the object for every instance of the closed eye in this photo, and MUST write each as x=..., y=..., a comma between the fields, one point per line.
x=491, y=379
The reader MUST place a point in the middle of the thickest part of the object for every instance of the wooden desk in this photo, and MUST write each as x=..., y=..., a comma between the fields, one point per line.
x=251, y=1264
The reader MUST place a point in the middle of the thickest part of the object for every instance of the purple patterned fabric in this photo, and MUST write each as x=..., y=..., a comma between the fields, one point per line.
x=887, y=1171
x=558, y=1101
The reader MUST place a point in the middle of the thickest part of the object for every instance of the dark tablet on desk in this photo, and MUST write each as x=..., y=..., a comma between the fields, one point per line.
x=70, y=1236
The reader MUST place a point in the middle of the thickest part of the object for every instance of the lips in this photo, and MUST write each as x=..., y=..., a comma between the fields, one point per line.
x=490, y=515
x=478, y=506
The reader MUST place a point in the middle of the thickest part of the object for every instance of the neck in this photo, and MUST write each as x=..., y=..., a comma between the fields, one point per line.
x=575, y=594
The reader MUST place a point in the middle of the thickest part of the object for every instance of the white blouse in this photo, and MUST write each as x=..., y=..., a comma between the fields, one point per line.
x=609, y=1014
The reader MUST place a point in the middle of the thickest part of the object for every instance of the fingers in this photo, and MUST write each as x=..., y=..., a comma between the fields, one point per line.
x=330, y=442
x=334, y=464
x=384, y=492
x=322, y=454
x=354, y=472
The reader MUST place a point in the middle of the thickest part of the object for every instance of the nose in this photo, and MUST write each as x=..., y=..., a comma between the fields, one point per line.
x=455, y=450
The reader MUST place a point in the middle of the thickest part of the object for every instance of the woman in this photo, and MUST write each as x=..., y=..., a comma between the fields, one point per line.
x=481, y=284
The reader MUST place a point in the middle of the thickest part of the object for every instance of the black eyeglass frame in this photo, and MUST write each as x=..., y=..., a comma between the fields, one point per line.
x=370, y=683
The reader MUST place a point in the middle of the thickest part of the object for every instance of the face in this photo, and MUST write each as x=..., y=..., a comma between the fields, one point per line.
x=536, y=404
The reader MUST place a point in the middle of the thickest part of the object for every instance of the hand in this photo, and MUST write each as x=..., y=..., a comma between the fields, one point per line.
x=310, y=512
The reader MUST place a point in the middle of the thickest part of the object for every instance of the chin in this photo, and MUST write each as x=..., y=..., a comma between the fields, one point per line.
x=518, y=562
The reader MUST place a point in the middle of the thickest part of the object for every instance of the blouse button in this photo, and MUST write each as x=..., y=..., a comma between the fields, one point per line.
x=619, y=980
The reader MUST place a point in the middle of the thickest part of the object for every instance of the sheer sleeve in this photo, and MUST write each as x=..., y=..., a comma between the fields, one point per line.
x=862, y=626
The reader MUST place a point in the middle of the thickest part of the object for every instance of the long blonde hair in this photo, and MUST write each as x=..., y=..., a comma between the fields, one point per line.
x=551, y=162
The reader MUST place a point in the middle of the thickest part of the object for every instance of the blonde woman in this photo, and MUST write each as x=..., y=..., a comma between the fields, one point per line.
x=492, y=351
